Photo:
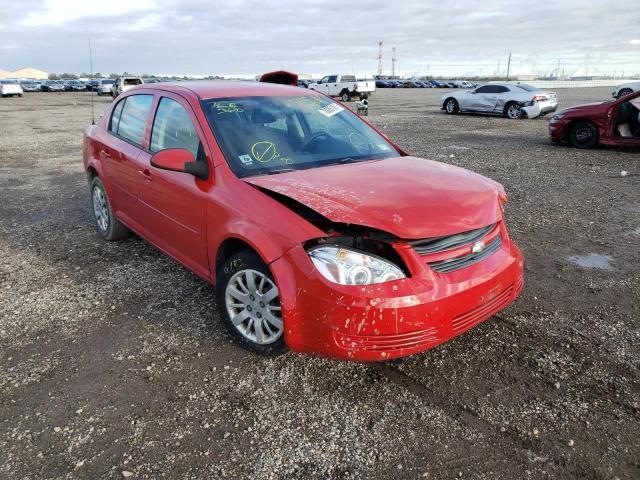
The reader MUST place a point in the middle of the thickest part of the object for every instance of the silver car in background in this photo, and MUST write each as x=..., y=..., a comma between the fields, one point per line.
x=513, y=100
x=103, y=87
x=625, y=89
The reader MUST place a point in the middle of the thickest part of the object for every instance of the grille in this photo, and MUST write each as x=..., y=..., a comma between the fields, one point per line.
x=388, y=342
x=482, y=312
x=439, y=244
x=452, y=264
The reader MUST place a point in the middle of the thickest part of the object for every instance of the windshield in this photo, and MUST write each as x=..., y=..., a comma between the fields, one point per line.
x=264, y=135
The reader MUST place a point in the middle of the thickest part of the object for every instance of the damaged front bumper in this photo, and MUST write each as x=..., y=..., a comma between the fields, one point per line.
x=393, y=319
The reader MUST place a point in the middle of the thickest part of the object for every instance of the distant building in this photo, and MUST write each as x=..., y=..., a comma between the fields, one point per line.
x=26, y=72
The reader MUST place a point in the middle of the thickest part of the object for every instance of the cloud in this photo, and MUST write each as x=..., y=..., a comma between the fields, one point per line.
x=252, y=36
x=56, y=12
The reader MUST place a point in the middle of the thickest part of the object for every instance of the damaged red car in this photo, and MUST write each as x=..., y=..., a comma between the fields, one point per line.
x=320, y=234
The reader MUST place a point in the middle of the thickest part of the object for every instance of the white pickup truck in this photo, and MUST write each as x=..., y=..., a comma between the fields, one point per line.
x=122, y=84
x=344, y=86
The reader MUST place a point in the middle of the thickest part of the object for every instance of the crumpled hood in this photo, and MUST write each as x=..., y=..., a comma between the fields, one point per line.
x=407, y=196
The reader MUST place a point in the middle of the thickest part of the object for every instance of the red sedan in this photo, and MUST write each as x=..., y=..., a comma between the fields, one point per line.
x=320, y=234
x=615, y=122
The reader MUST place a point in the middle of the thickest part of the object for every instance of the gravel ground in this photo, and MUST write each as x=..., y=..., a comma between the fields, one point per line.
x=113, y=362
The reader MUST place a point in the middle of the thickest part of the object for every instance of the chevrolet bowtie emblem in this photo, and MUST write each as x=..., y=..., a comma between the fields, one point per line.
x=477, y=247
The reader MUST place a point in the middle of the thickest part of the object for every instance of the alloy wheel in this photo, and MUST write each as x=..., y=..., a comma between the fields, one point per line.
x=253, y=304
x=514, y=111
x=584, y=134
x=100, y=209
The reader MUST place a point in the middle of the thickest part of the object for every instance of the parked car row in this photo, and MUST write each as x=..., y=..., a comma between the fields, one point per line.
x=394, y=83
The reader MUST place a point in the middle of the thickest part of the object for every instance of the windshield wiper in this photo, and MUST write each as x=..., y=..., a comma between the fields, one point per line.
x=348, y=160
x=280, y=170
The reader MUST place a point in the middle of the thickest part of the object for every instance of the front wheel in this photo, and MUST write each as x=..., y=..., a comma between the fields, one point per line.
x=249, y=304
x=584, y=135
x=451, y=106
x=346, y=96
x=513, y=111
x=109, y=227
x=624, y=92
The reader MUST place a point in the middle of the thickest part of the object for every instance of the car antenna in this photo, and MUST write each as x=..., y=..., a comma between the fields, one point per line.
x=93, y=118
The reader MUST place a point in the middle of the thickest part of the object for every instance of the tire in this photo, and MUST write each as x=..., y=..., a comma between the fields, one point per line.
x=451, y=106
x=364, y=96
x=513, y=111
x=624, y=92
x=108, y=226
x=345, y=96
x=99, y=94
x=243, y=303
x=583, y=135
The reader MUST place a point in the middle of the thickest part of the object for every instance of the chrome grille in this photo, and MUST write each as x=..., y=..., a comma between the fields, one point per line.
x=452, y=264
x=439, y=244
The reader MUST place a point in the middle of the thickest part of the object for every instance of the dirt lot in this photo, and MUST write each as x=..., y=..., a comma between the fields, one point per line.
x=113, y=362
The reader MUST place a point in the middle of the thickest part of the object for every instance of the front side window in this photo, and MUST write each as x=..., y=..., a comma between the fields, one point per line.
x=133, y=118
x=485, y=89
x=173, y=128
x=262, y=135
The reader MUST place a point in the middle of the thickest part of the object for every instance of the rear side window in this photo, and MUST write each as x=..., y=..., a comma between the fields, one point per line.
x=133, y=118
x=172, y=128
x=503, y=90
x=115, y=116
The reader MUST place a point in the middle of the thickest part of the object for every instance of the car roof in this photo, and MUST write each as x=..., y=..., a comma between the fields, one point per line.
x=229, y=88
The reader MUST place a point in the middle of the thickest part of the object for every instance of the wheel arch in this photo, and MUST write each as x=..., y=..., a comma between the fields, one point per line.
x=569, y=126
x=234, y=243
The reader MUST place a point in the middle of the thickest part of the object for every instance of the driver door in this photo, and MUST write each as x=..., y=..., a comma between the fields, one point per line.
x=323, y=85
x=485, y=98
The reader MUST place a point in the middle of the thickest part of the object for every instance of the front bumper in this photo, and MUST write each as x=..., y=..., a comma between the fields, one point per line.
x=557, y=129
x=394, y=319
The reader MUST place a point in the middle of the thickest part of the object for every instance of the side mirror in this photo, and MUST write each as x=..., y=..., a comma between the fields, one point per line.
x=180, y=160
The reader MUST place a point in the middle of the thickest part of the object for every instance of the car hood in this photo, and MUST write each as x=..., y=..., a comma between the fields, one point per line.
x=591, y=106
x=406, y=196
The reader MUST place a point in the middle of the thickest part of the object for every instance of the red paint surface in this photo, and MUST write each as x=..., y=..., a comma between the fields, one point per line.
x=191, y=219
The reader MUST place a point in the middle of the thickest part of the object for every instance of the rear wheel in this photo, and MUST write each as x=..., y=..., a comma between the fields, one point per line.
x=109, y=227
x=249, y=304
x=624, y=92
x=513, y=111
x=345, y=96
x=583, y=135
x=451, y=106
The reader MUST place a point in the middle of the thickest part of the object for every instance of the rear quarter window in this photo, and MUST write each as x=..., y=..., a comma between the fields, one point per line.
x=133, y=118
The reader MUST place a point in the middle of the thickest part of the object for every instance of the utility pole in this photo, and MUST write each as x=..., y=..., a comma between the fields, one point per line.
x=393, y=62
x=379, y=58
x=498, y=69
x=509, y=66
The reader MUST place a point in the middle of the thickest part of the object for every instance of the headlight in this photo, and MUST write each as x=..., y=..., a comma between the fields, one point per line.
x=557, y=116
x=352, y=267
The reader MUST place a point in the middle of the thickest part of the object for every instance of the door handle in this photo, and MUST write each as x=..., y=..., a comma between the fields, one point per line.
x=106, y=152
x=146, y=174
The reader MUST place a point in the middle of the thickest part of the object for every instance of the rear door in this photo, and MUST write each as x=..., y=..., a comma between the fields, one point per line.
x=120, y=150
x=175, y=203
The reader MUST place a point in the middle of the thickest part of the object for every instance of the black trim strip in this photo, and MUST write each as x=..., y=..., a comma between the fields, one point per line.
x=450, y=265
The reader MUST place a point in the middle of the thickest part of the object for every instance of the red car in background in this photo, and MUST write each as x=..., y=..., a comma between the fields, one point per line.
x=319, y=233
x=613, y=122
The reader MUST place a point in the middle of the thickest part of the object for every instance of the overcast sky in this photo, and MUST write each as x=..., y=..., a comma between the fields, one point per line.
x=321, y=36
